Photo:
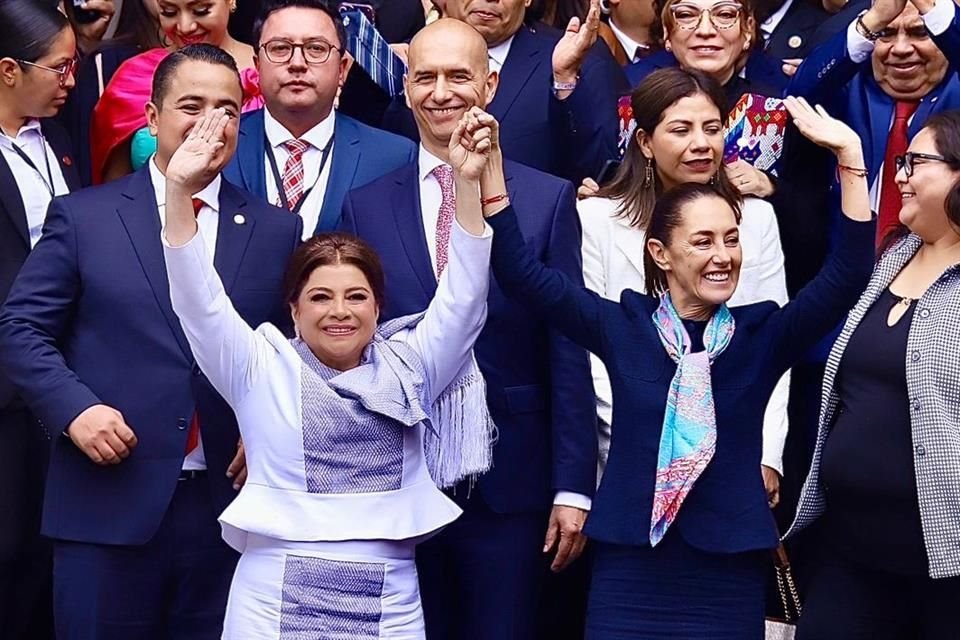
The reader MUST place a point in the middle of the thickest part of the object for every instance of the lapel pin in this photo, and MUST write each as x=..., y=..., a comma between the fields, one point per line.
x=67, y=161
x=794, y=42
x=239, y=219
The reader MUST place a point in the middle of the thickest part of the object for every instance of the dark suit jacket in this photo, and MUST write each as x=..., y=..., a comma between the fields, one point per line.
x=726, y=511
x=89, y=321
x=794, y=36
x=571, y=138
x=538, y=384
x=360, y=154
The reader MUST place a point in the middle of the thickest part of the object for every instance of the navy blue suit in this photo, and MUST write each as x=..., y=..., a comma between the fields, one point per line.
x=360, y=155
x=571, y=138
x=794, y=36
x=24, y=555
x=539, y=393
x=88, y=322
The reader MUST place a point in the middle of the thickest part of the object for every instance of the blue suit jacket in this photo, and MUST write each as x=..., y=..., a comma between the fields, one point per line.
x=360, y=155
x=539, y=386
x=762, y=74
x=726, y=511
x=89, y=321
x=849, y=92
x=571, y=138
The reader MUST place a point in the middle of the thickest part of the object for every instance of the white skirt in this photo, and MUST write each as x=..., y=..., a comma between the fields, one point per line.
x=355, y=590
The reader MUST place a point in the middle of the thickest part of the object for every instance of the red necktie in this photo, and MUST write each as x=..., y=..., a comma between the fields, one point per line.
x=293, y=171
x=889, y=213
x=193, y=436
x=448, y=208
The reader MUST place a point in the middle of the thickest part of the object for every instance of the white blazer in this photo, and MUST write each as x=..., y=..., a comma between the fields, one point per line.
x=613, y=261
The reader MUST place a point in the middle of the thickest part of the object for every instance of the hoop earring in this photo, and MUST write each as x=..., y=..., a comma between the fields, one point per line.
x=648, y=175
x=605, y=7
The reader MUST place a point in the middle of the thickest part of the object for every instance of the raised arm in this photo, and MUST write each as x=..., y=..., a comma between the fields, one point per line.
x=228, y=351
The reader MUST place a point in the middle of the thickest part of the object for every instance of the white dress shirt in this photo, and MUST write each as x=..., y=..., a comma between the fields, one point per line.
x=318, y=137
x=208, y=222
x=498, y=54
x=430, y=199
x=630, y=46
x=34, y=183
x=613, y=253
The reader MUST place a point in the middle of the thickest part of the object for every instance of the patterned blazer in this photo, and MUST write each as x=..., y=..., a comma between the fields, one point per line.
x=933, y=387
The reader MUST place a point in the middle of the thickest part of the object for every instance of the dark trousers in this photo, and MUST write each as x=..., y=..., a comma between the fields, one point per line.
x=480, y=578
x=172, y=588
x=850, y=601
x=25, y=556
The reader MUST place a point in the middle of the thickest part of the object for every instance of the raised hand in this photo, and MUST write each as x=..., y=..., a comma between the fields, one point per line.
x=820, y=127
x=196, y=161
x=470, y=146
x=572, y=49
x=882, y=13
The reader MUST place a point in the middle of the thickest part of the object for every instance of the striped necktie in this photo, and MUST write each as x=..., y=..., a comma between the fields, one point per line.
x=372, y=52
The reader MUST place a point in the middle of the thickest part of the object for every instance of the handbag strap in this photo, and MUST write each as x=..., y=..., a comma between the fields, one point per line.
x=786, y=585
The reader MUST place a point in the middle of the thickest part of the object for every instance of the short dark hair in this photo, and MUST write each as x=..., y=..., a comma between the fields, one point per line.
x=28, y=29
x=196, y=52
x=328, y=7
x=667, y=216
x=333, y=248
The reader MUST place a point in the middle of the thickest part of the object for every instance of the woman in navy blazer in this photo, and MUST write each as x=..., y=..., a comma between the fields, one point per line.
x=699, y=570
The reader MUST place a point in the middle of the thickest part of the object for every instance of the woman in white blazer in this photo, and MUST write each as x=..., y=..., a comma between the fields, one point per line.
x=677, y=141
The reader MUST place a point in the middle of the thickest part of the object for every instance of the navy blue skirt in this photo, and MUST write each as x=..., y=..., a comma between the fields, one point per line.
x=675, y=591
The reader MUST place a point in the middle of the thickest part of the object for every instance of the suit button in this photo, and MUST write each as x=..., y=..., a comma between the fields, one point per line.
x=921, y=451
x=181, y=423
x=196, y=370
x=915, y=356
x=916, y=405
x=924, y=313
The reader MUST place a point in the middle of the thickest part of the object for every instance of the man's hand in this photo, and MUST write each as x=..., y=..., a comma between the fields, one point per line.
x=572, y=49
x=748, y=180
x=564, y=534
x=882, y=13
x=100, y=432
x=790, y=66
x=771, y=482
x=90, y=34
x=238, y=467
x=196, y=161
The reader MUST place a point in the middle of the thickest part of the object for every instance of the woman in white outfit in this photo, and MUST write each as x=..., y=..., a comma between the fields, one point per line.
x=679, y=138
x=335, y=422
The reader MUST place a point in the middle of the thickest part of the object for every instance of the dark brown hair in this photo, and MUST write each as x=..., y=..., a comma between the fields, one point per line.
x=658, y=92
x=667, y=216
x=328, y=249
x=945, y=127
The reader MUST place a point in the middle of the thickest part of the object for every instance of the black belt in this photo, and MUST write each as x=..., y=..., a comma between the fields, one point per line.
x=192, y=474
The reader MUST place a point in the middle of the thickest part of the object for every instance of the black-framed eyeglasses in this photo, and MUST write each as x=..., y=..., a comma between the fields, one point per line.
x=64, y=70
x=722, y=15
x=316, y=51
x=908, y=161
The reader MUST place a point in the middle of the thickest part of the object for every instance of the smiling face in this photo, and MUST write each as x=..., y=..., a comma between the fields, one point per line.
x=447, y=75
x=194, y=21
x=706, y=48
x=924, y=194
x=336, y=314
x=687, y=143
x=496, y=20
x=906, y=63
x=702, y=256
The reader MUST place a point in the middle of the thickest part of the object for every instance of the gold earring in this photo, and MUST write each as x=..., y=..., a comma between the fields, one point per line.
x=648, y=175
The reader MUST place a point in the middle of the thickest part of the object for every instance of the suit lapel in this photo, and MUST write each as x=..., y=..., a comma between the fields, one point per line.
x=520, y=64
x=62, y=150
x=880, y=113
x=345, y=160
x=233, y=235
x=409, y=221
x=250, y=151
x=12, y=202
x=630, y=241
x=138, y=213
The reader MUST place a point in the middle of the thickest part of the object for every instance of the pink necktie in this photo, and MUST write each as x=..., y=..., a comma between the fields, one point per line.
x=448, y=208
x=293, y=171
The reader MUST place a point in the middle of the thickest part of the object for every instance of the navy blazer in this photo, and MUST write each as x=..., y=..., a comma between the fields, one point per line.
x=794, y=36
x=360, y=155
x=849, y=92
x=14, y=231
x=571, y=138
x=726, y=511
x=89, y=321
x=538, y=383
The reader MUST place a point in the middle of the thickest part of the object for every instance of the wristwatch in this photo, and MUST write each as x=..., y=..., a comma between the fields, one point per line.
x=862, y=29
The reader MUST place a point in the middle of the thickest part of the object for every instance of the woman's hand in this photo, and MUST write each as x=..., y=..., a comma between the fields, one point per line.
x=587, y=189
x=89, y=34
x=771, y=482
x=821, y=128
x=749, y=180
x=470, y=145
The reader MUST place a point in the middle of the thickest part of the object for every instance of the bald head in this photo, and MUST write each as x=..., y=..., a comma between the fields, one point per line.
x=448, y=72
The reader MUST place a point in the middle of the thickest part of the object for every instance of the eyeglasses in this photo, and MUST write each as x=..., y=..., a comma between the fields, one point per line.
x=65, y=70
x=314, y=51
x=722, y=15
x=908, y=161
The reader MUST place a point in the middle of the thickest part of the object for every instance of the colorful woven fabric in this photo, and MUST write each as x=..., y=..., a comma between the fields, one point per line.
x=689, y=436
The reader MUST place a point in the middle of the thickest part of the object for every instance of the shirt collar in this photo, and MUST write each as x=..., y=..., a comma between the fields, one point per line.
x=770, y=25
x=427, y=162
x=318, y=136
x=210, y=195
x=500, y=52
x=629, y=44
x=31, y=128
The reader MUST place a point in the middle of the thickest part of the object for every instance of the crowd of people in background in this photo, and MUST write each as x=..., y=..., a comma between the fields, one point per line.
x=479, y=319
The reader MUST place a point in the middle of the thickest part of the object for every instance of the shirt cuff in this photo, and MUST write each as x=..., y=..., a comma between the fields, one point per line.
x=939, y=19
x=858, y=47
x=571, y=499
